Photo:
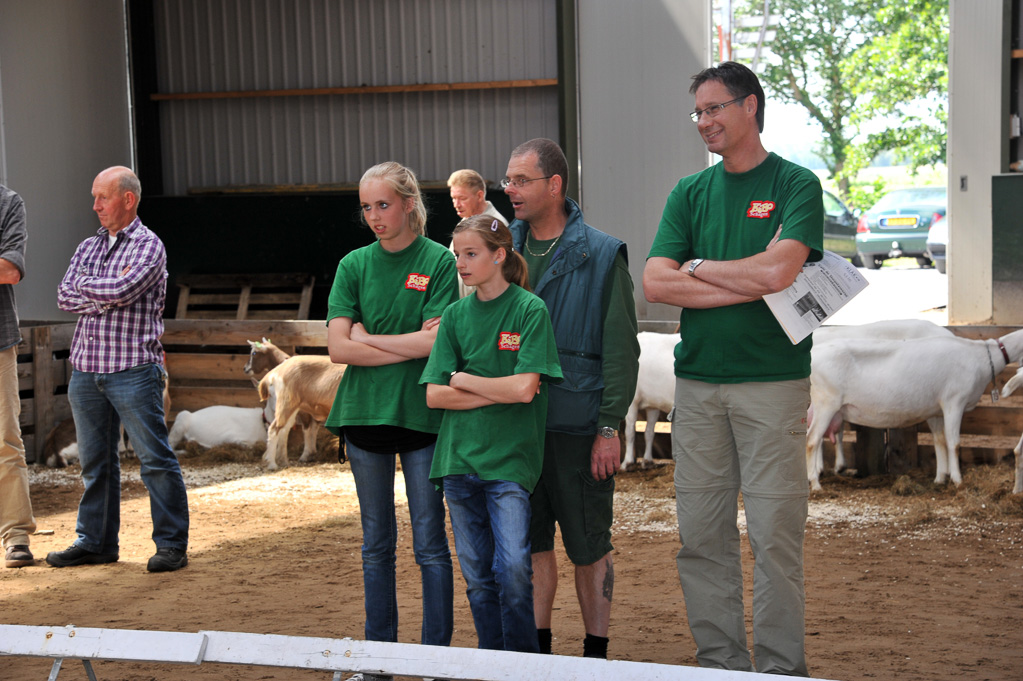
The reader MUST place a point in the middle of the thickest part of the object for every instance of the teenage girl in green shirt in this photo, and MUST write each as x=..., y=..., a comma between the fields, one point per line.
x=485, y=372
x=382, y=319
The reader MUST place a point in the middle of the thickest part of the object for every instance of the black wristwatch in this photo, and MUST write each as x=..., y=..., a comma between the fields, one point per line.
x=607, y=432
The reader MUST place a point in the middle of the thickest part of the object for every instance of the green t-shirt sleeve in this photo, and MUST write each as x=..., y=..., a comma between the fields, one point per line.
x=673, y=238
x=344, y=294
x=443, y=289
x=621, y=345
x=803, y=214
x=538, y=352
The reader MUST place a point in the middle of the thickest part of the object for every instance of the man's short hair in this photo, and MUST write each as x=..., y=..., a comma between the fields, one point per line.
x=127, y=181
x=739, y=80
x=549, y=157
x=469, y=179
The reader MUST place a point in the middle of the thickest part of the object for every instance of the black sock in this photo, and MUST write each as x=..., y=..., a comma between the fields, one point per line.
x=595, y=646
x=544, y=637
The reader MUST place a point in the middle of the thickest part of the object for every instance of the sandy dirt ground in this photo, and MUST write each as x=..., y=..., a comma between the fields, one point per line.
x=904, y=579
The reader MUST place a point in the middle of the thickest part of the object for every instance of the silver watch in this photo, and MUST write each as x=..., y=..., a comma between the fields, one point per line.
x=608, y=432
x=693, y=265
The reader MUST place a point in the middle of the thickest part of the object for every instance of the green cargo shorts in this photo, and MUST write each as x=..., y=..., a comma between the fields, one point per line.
x=568, y=495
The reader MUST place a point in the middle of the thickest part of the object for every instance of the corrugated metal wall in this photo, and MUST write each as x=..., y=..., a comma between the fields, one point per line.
x=271, y=45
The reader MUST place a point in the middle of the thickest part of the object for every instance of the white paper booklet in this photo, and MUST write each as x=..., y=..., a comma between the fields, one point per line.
x=818, y=292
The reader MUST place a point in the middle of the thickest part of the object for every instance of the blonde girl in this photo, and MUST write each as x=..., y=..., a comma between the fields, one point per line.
x=382, y=318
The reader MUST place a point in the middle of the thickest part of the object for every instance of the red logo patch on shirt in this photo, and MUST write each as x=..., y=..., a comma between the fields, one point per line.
x=760, y=209
x=417, y=282
x=508, y=340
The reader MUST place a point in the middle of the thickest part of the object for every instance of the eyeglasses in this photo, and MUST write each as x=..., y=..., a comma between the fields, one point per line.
x=713, y=111
x=520, y=182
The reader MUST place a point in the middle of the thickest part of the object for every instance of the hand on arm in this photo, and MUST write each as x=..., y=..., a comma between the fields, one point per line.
x=445, y=397
x=407, y=345
x=725, y=282
x=132, y=281
x=9, y=273
x=466, y=391
x=514, y=389
x=343, y=349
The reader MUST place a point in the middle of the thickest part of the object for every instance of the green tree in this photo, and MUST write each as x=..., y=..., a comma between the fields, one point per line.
x=862, y=65
x=901, y=77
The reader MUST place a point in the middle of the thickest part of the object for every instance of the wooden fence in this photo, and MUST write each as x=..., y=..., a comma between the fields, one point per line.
x=205, y=360
x=43, y=375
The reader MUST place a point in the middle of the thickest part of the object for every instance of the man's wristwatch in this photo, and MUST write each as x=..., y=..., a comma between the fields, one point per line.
x=693, y=265
x=607, y=432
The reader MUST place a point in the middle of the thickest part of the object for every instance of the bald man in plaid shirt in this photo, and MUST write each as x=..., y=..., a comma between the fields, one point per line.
x=117, y=282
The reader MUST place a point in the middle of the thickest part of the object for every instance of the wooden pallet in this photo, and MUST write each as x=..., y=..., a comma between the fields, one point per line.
x=244, y=296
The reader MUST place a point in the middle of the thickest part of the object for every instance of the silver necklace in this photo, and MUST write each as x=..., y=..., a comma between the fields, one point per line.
x=540, y=255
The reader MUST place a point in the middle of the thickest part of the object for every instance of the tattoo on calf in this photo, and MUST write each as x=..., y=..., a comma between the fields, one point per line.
x=609, y=580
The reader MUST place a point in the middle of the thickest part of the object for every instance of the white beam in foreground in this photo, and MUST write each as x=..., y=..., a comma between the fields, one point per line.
x=334, y=654
x=129, y=645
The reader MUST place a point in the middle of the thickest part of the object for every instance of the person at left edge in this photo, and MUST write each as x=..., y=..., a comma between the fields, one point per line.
x=117, y=283
x=16, y=519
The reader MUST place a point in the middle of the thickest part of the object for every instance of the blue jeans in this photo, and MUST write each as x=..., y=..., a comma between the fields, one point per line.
x=374, y=483
x=99, y=404
x=490, y=519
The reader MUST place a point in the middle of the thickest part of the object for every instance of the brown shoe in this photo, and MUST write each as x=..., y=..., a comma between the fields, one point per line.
x=18, y=556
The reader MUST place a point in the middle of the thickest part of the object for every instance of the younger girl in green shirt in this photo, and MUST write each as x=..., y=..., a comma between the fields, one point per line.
x=494, y=352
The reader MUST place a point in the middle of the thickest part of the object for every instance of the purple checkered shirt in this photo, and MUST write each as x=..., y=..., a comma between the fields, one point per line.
x=119, y=293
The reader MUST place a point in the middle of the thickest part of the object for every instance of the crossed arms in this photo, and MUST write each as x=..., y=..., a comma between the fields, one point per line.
x=725, y=282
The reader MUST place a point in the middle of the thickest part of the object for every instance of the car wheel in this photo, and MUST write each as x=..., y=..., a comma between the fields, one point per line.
x=871, y=262
x=940, y=265
x=856, y=260
x=924, y=262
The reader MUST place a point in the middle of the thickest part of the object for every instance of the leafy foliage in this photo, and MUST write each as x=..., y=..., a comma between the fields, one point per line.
x=871, y=73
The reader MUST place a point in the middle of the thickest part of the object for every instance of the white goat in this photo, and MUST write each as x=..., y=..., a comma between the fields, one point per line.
x=896, y=384
x=1013, y=383
x=655, y=392
x=894, y=329
x=303, y=383
x=219, y=425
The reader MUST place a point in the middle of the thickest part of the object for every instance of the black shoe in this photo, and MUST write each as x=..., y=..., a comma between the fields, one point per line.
x=167, y=560
x=76, y=555
x=18, y=556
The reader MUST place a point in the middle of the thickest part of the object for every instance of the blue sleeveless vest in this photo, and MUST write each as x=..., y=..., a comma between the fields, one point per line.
x=573, y=289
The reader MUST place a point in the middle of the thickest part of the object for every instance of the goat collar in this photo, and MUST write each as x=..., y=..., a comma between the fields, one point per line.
x=994, y=379
x=1005, y=353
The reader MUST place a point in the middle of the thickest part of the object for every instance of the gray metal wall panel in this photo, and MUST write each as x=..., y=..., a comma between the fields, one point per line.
x=636, y=139
x=66, y=117
x=230, y=45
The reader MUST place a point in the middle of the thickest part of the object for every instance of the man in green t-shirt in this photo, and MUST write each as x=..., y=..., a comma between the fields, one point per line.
x=730, y=235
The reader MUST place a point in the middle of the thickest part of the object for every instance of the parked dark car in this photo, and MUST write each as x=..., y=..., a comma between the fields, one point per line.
x=897, y=225
x=937, y=243
x=839, y=229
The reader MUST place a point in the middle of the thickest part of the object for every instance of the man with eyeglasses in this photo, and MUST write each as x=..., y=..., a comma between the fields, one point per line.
x=583, y=276
x=728, y=236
